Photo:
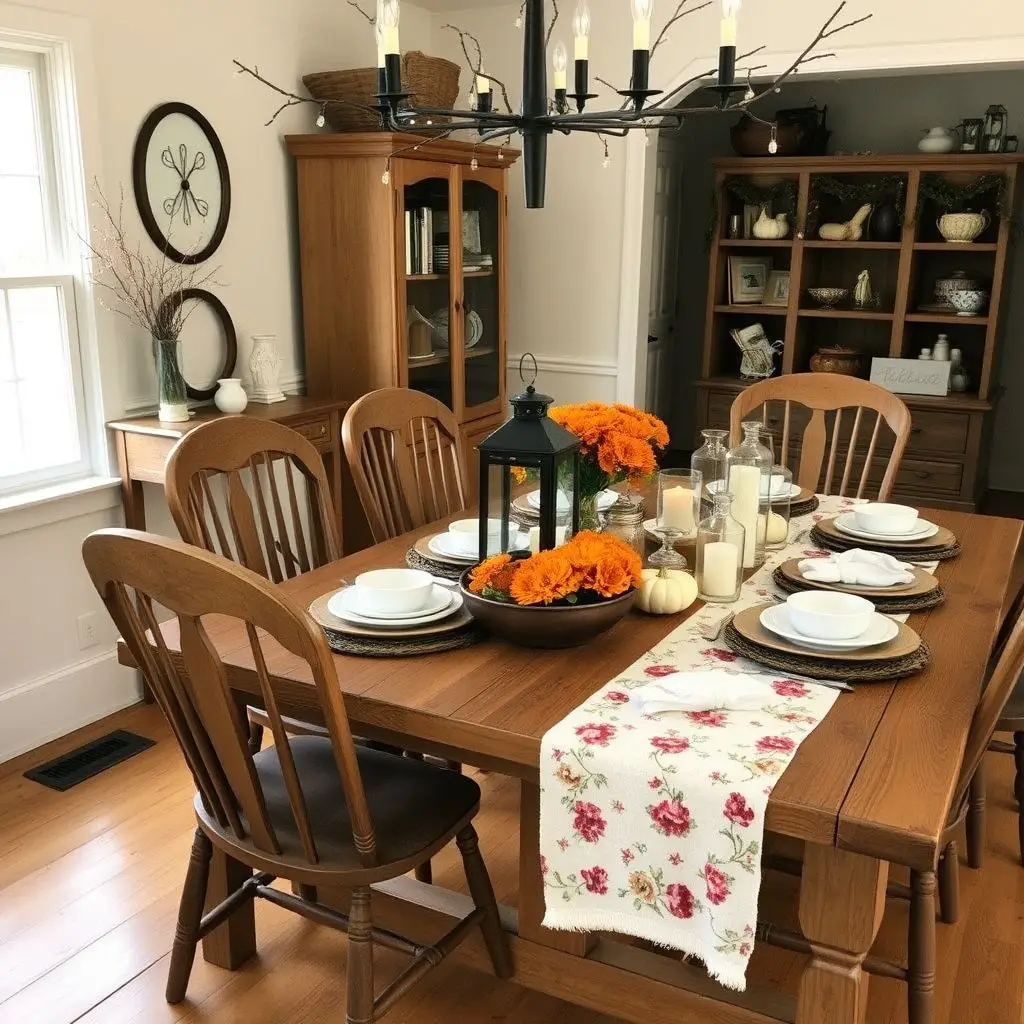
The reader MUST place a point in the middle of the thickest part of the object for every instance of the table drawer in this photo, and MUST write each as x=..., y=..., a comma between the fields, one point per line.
x=318, y=431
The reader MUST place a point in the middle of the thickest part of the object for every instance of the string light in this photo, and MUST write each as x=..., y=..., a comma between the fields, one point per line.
x=321, y=119
x=473, y=164
x=386, y=176
x=519, y=22
x=501, y=155
x=773, y=141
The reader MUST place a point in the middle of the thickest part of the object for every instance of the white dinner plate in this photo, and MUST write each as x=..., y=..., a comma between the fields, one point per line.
x=605, y=500
x=441, y=544
x=779, y=495
x=882, y=629
x=845, y=523
x=443, y=602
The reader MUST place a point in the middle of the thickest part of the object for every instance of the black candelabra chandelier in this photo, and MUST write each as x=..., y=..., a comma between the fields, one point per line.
x=540, y=114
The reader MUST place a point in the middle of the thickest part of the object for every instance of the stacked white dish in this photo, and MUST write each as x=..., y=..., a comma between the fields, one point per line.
x=394, y=599
x=462, y=541
x=825, y=620
x=883, y=521
x=775, y=485
x=605, y=500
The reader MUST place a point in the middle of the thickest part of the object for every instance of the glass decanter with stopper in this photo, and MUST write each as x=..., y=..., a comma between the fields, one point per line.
x=709, y=461
x=720, y=545
x=748, y=470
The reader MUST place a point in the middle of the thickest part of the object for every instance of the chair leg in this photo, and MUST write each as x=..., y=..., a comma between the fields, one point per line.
x=307, y=892
x=190, y=915
x=424, y=873
x=949, y=885
x=921, y=948
x=976, y=818
x=359, y=1004
x=483, y=896
x=1018, y=788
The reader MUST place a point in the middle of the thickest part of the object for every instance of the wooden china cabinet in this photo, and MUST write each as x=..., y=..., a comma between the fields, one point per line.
x=946, y=461
x=403, y=255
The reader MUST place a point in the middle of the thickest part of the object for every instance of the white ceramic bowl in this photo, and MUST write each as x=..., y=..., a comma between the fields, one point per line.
x=465, y=535
x=828, y=615
x=885, y=518
x=393, y=591
x=968, y=301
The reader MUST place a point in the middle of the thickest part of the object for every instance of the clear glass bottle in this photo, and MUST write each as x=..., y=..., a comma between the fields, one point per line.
x=777, y=527
x=720, y=546
x=625, y=520
x=709, y=461
x=748, y=469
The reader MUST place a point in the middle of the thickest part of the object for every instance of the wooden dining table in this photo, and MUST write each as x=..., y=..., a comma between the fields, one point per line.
x=871, y=785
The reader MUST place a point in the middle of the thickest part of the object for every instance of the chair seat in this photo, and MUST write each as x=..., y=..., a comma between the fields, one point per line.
x=415, y=807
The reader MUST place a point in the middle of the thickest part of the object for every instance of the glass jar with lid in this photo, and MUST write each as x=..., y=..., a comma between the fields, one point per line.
x=709, y=461
x=780, y=491
x=625, y=520
x=720, y=545
x=748, y=469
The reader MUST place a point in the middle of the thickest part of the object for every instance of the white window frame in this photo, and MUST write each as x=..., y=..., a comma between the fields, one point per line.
x=60, y=47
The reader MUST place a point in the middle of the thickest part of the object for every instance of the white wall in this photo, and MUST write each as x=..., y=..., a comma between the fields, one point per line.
x=565, y=294
x=147, y=53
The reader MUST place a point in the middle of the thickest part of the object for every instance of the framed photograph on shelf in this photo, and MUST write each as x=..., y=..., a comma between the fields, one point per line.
x=971, y=129
x=748, y=278
x=776, y=291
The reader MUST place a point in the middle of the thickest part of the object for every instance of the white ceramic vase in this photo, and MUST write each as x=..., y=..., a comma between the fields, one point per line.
x=265, y=370
x=962, y=228
x=937, y=140
x=230, y=395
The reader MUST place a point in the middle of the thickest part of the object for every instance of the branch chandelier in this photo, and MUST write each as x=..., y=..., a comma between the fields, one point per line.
x=540, y=116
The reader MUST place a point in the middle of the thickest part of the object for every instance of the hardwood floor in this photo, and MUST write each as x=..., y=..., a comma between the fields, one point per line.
x=89, y=882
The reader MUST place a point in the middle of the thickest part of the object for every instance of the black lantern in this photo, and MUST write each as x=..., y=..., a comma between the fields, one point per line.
x=995, y=128
x=531, y=442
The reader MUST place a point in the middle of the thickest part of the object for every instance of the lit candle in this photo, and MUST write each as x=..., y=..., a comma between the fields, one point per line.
x=483, y=83
x=720, y=568
x=677, y=510
x=535, y=538
x=730, y=9
x=559, y=60
x=581, y=31
x=642, y=11
x=745, y=488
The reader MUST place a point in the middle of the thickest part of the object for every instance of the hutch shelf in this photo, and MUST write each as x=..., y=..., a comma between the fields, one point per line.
x=946, y=461
x=403, y=275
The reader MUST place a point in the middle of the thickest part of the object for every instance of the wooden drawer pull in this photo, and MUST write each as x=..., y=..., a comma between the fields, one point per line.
x=312, y=431
x=922, y=474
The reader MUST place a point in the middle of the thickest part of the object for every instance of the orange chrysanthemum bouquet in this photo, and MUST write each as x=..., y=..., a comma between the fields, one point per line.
x=590, y=568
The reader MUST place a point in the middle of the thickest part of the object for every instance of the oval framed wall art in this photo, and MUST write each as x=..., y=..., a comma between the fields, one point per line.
x=170, y=305
x=181, y=183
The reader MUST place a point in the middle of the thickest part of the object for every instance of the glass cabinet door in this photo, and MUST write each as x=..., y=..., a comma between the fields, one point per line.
x=426, y=196
x=482, y=321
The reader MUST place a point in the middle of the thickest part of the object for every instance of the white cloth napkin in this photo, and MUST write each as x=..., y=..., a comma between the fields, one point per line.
x=712, y=690
x=857, y=567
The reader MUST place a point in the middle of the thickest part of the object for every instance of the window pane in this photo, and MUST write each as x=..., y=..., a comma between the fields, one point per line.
x=23, y=231
x=38, y=418
x=19, y=153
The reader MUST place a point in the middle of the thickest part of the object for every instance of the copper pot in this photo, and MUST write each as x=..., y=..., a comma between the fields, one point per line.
x=837, y=360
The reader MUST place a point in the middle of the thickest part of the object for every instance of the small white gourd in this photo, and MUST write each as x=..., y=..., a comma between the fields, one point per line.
x=666, y=591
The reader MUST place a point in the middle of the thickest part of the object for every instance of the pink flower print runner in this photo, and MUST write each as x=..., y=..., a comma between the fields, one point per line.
x=653, y=826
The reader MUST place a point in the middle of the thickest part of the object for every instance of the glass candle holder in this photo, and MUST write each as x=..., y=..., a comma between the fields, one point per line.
x=709, y=461
x=625, y=520
x=678, y=514
x=779, y=499
x=748, y=471
x=720, y=545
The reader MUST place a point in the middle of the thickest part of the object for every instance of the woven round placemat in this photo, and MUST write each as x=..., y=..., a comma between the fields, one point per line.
x=446, y=570
x=915, y=603
x=905, y=554
x=385, y=647
x=815, y=665
x=803, y=508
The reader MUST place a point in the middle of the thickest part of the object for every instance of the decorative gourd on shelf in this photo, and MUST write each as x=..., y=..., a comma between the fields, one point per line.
x=666, y=591
x=863, y=297
x=770, y=227
x=851, y=231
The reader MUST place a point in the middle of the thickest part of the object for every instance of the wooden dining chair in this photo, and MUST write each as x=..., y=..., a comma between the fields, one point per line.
x=919, y=973
x=407, y=460
x=316, y=810
x=848, y=409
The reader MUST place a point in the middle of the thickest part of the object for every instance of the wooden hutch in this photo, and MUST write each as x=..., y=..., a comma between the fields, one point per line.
x=375, y=212
x=946, y=462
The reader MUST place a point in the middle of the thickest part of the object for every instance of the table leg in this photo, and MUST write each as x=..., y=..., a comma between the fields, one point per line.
x=531, y=883
x=842, y=898
x=337, y=454
x=234, y=942
x=132, y=499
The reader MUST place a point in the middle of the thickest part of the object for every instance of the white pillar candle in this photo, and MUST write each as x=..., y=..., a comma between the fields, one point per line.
x=745, y=488
x=535, y=537
x=721, y=561
x=677, y=510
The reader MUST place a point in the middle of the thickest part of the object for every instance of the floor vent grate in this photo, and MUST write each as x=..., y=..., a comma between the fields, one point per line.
x=86, y=761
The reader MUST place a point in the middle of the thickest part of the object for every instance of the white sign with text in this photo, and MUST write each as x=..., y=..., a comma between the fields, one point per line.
x=911, y=376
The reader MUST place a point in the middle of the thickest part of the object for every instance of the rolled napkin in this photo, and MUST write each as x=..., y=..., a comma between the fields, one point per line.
x=709, y=690
x=858, y=568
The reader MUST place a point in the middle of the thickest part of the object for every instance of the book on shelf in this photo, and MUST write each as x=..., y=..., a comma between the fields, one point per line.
x=419, y=241
x=408, y=242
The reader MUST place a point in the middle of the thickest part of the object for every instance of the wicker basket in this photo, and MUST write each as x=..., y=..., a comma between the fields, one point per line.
x=430, y=82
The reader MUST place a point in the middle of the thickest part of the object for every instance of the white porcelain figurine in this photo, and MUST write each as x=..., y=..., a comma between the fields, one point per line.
x=265, y=370
x=770, y=227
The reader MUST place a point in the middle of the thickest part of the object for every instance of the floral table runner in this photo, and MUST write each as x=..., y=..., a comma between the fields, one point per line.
x=653, y=826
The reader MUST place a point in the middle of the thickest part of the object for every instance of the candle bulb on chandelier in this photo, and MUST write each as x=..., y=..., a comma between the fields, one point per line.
x=727, y=40
x=730, y=9
x=559, y=60
x=581, y=31
x=388, y=14
x=642, y=11
x=378, y=32
x=483, y=90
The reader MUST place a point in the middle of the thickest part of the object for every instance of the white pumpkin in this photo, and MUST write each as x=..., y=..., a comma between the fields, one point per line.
x=666, y=591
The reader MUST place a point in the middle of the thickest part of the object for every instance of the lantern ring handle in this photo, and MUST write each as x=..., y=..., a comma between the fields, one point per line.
x=522, y=374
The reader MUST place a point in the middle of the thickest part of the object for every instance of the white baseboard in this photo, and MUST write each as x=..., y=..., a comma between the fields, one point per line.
x=53, y=705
